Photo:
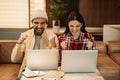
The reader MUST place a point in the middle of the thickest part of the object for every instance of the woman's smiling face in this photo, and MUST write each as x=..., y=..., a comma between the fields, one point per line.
x=74, y=27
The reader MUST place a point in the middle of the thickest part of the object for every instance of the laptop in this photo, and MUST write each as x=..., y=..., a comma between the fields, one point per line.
x=79, y=60
x=43, y=59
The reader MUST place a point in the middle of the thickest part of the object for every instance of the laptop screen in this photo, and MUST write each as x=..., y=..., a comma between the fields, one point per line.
x=79, y=60
x=43, y=59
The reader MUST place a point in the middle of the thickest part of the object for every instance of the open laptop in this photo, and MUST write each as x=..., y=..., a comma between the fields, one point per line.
x=43, y=59
x=79, y=60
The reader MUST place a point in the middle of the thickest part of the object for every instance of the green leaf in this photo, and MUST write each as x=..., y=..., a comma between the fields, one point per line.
x=57, y=9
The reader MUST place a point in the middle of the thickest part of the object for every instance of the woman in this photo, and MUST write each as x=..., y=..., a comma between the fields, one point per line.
x=75, y=36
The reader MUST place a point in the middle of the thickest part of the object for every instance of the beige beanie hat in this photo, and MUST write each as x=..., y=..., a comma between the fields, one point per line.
x=39, y=14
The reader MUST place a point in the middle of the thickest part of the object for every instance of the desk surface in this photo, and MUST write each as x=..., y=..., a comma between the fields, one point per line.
x=74, y=76
x=83, y=76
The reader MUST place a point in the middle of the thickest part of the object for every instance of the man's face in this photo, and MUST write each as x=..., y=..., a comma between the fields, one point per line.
x=39, y=25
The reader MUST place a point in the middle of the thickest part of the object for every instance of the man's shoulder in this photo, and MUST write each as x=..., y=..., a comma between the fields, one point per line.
x=49, y=32
x=29, y=31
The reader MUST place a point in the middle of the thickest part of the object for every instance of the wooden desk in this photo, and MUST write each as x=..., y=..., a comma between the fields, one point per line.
x=73, y=76
x=49, y=74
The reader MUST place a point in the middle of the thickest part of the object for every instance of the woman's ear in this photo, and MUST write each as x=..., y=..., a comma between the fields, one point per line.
x=82, y=24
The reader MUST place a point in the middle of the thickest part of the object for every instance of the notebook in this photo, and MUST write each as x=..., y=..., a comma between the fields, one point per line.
x=43, y=59
x=79, y=60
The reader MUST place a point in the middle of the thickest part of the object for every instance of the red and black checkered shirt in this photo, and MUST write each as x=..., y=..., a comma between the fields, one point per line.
x=77, y=44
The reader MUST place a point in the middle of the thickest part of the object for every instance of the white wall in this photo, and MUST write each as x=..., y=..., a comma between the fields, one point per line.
x=111, y=33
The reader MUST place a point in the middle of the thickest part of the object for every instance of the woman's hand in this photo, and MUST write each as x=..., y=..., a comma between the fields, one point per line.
x=89, y=45
x=63, y=45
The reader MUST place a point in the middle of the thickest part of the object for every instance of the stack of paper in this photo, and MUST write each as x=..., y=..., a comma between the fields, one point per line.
x=43, y=75
x=28, y=73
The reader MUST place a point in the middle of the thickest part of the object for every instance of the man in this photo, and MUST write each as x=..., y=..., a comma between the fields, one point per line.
x=35, y=38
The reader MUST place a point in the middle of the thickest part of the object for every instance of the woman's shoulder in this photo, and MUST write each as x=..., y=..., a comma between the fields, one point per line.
x=86, y=34
x=62, y=35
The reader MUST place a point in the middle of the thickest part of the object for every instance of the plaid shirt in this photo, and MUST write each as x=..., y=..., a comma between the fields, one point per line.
x=77, y=44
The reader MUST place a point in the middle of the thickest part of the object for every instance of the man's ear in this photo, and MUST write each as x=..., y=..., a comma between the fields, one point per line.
x=45, y=26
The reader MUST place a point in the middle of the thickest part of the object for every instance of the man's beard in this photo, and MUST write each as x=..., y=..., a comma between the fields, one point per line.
x=38, y=31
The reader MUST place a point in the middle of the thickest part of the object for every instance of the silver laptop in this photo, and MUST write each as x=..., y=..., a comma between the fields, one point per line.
x=79, y=60
x=43, y=59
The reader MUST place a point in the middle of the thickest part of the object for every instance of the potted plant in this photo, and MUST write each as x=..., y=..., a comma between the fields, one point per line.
x=57, y=10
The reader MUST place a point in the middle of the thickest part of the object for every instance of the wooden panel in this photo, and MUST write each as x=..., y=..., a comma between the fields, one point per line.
x=85, y=8
x=100, y=12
